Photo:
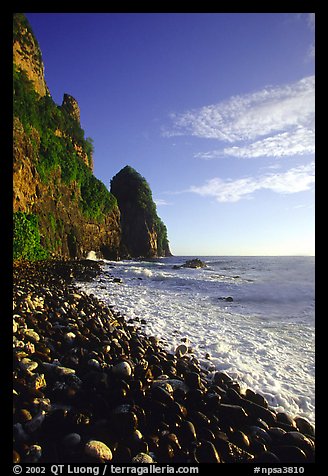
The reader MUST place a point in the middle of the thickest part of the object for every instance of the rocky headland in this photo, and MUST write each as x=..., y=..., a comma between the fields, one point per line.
x=90, y=387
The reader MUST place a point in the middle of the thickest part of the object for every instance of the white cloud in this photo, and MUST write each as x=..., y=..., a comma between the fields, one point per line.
x=272, y=117
x=161, y=202
x=295, y=180
x=298, y=142
x=253, y=115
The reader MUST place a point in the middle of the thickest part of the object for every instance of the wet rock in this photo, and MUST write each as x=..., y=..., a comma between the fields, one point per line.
x=286, y=419
x=31, y=335
x=98, y=451
x=207, y=453
x=289, y=454
x=122, y=369
x=16, y=457
x=240, y=439
x=232, y=414
x=33, y=454
x=304, y=426
x=110, y=385
x=194, y=263
x=28, y=365
x=256, y=398
x=181, y=350
x=71, y=440
x=143, y=458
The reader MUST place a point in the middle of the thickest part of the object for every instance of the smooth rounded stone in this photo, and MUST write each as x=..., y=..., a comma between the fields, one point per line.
x=125, y=419
x=31, y=335
x=262, y=424
x=277, y=434
x=232, y=414
x=240, y=439
x=70, y=337
x=143, y=458
x=15, y=327
x=212, y=401
x=71, y=440
x=257, y=411
x=181, y=350
x=160, y=394
x=28, y=365
x=232, y=396
x=74, y=296
x=98, y=451
x=36, y=422
x=16, y=457
x=194, y=398
x=171, y=439
x=33, y=454
x=193, y=380
x=286, y=419
x=177, y=384
x=163, y=383
x=207, y=453
x=60, y=370
x=199, y=419
x=256, y=398
x=304, y=426
x=221, y=378
x=261, y=434
x=295, y=438
x=257, y=446
x=122, y=454
x=186, y=433
x=122, y=369
x=94, y=363
x=24, y=415
x=20, y=436
x=290, y=454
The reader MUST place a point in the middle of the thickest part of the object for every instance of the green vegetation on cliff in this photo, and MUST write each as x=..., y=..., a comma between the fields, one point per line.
x=61, y=208
x=59, y=135
x=27, y=238
x=143, y=232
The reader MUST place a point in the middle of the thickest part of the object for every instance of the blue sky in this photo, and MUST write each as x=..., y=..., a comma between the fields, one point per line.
x=215, y=110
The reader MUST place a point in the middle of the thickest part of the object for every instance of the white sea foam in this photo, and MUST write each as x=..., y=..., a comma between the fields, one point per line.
x=264, y=338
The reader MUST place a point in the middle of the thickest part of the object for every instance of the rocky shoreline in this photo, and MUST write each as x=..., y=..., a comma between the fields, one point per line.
x=89, y=387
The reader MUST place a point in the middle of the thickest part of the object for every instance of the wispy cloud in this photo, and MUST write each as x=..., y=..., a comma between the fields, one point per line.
x=160, y=202
x=294, y=180
x=298, y=142
x=273, y=117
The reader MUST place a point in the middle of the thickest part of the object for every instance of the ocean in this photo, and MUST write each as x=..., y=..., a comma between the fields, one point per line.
x=263, y=335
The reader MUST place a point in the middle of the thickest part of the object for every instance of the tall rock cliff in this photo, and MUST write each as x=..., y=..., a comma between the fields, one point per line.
x=143, y=232
x=60, y=207
x=27, y=54
x=56, y=198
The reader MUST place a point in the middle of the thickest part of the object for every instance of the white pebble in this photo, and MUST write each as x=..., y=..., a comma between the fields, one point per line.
x=142, y=458
x=98, y=450
x=122, y=369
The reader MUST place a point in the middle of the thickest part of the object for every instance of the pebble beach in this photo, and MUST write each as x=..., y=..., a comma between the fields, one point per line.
x=90, y=387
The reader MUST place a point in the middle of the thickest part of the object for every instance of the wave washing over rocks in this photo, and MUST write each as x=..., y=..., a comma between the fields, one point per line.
x=90, y=387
